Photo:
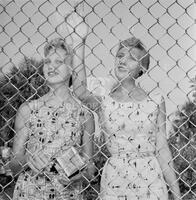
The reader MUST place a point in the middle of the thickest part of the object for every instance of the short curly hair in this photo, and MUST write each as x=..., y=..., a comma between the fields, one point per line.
x=57, y=43
x=133, y=42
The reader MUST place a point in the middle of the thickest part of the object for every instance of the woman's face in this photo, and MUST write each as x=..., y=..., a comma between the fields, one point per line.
x=57, y=66
x=126, y=63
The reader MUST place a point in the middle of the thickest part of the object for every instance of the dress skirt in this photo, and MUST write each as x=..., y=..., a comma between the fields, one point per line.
x=133, y=179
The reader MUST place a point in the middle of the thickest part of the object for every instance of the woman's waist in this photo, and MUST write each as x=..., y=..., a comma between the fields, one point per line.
x=51, y=149
x=132, y=154
x=126, y=149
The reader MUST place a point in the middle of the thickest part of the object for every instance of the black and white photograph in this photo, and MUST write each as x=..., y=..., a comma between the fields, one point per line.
x=97, y=100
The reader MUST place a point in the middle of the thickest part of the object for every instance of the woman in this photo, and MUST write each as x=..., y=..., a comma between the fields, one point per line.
x=133, y=122
x=46, y=128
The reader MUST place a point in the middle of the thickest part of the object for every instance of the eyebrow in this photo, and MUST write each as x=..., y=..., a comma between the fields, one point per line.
x=46, y=59
x=134, y=58
x=130, y=54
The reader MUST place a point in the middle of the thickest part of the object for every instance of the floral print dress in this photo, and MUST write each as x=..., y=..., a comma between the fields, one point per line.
x=132, y=172
x=51, y=129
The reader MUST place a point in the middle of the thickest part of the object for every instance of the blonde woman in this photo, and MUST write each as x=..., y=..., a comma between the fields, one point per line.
x=47, y=128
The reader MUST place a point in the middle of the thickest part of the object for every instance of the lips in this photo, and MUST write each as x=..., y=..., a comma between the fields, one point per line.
x=122, y=68
x=52, y=73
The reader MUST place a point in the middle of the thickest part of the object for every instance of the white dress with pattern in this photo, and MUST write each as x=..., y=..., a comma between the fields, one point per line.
x=132, y=172
x=50, y=130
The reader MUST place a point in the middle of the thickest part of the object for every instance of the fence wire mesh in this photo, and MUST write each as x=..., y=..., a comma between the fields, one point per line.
x=168, y=31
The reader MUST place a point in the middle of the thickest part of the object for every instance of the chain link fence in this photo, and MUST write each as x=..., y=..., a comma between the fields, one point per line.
x=167, y=29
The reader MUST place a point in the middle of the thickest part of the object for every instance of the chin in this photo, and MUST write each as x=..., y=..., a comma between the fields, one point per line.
x=58, y=79
x=121, y=76
x=55, y=80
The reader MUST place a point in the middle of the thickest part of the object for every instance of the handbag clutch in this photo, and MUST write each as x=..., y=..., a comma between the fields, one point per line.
x=70, y=161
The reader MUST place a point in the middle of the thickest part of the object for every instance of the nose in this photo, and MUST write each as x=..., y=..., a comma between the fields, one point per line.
x=121, y=60
x=53, y=66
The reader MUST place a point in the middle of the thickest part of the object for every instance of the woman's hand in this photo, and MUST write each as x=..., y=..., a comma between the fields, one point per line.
x=65, y=180
x=176, y=197
x=87, y=173
x=76, y=25
x=91, y=169
x=76, y=177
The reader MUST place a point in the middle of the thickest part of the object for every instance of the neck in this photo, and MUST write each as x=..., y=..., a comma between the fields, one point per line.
x=127, y=84
x=60, y=91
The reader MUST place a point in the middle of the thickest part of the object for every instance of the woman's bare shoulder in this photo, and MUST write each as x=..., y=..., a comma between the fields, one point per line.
x=26, y=107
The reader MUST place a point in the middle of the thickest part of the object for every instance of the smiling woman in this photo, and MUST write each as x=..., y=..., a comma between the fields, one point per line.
x=48, y=131
x=58, y=62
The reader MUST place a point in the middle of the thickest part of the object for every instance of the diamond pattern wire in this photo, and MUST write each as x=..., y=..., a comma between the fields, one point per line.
x=167, y=30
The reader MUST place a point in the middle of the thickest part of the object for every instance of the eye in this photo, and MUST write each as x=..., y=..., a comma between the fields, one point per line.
x=59, y=62
x=47, y=61
x=131, y=57
x=120, y=55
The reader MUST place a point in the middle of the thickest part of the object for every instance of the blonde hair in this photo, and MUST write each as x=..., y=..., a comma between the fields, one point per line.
x=57, y=43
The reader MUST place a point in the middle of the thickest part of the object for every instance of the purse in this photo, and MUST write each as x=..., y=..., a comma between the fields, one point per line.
x=70, y=162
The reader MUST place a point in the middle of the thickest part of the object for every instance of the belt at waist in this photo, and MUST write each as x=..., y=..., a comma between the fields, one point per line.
x=133, y=155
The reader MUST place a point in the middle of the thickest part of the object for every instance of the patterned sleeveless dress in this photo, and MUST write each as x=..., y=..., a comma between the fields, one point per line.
x=50, y=130
x=132, y=172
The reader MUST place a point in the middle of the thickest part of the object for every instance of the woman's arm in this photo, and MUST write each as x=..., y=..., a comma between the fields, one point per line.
x=79, y=73
x=163, y=152
x=19, y=159
x=88, y=128
x=79, y=79
x=88, y=133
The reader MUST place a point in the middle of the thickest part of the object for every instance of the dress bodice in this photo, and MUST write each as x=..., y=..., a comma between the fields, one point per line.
x=130, y=127
x=53, y=128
